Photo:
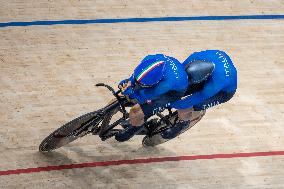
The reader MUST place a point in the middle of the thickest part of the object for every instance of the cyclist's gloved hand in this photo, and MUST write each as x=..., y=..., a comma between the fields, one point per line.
x=130, y=95
x=128, y=92
x=126, y=87
x=123, y=82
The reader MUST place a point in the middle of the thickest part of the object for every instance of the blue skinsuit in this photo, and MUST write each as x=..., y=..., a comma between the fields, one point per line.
x=223, y=79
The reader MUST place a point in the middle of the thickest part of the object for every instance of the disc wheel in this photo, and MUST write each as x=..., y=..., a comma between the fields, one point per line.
x=65, y=134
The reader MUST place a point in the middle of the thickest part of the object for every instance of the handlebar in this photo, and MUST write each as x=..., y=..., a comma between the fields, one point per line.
x=116, y=94
x=109, y=88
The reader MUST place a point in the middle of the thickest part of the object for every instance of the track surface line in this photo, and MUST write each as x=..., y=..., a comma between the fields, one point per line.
x=140, y=161
x=125, y=20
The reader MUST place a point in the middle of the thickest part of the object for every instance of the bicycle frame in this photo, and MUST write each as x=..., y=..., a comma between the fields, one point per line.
x=98, y=123
x=106, y=131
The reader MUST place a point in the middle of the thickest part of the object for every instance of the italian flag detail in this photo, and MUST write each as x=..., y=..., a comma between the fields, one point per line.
x=148, y=69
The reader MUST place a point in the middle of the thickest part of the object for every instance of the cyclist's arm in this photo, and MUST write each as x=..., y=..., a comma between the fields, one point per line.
x=152, y=93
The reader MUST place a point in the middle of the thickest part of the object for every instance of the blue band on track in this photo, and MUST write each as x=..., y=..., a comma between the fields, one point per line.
x=125, y=20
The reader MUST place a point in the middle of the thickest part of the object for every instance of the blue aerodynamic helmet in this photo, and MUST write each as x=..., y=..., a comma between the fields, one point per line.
x=150, y=71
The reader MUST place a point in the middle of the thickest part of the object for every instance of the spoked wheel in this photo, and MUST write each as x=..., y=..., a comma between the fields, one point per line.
x=71, y=131
x=157, y=138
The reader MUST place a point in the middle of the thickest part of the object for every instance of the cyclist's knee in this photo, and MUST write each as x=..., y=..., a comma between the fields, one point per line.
x=185, y=114
x=136, y=115
x=189, y=114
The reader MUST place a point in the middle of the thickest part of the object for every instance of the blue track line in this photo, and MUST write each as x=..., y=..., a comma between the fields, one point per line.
x=127, y=20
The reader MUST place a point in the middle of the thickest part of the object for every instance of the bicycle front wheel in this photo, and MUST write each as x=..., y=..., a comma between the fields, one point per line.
x=66, y=133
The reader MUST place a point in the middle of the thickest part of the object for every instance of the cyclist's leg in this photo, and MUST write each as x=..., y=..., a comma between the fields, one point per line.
x=140, y=113
x=136, y=115
x=133, y=126
x=189, y=114
x=189, y=117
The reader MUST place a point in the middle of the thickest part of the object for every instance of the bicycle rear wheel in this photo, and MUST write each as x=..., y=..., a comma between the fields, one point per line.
x=157, y=138
x=65, y=134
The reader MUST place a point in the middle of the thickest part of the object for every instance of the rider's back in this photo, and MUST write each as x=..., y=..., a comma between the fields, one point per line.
x=222, y=79
x=224, y=74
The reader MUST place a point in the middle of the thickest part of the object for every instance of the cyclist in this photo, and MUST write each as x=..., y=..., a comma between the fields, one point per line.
x=203, y=80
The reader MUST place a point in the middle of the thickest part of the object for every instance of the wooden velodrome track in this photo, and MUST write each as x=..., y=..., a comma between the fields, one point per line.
x=47, y=77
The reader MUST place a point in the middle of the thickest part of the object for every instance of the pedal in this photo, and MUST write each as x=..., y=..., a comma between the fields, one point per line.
x=110, y=134
x=152, y=126
x=125, y=124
